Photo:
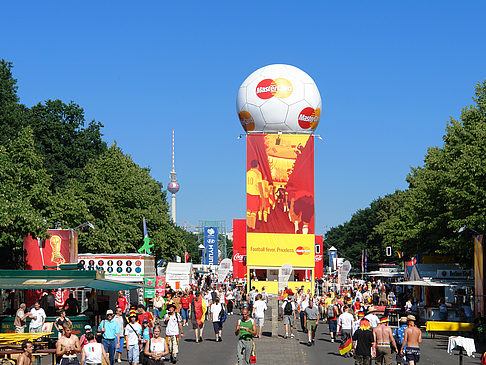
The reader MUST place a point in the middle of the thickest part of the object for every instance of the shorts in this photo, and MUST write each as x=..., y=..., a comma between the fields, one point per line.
x=218, y=326
x=133, y=353
x=312, y=325
x=185, y=313
x=252, y=203
x=332, y=325
x=288, y=319
x=69, y=361
x=412, y=354
x=259, y=321
x=121, y=342
x=35, y=329
x=173, y=344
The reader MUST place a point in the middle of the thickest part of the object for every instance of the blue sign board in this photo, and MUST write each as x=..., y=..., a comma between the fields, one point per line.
x=211, y=245
x=332, y=256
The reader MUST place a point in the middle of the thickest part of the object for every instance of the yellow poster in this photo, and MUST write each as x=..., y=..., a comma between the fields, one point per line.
x=276, y=249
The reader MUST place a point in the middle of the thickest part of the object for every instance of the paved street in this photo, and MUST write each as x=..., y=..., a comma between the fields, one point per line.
x=289, y=351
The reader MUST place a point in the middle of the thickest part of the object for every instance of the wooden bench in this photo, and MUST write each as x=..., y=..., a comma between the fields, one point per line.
x=438, y=326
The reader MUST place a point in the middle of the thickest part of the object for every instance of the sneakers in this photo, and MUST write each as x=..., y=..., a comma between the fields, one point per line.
x=174, y=360
x=292, y=335
x=286, y=335
x=332, y=340
x=309, y=343
x=119, y=360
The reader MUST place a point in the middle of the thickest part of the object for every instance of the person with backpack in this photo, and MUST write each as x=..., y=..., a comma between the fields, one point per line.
x=173, y=330
x=398, y=335
x=332, y=315
x=288, y=316
x=215, y=310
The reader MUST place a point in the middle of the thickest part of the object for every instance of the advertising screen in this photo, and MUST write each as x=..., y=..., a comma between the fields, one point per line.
x=280, y=184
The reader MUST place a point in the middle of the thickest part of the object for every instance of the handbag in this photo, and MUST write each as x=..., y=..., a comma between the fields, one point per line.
x=223, y=314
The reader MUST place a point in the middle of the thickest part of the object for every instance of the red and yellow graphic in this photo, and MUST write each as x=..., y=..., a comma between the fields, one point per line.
x=309, y=118
x=268, y=88
x=246, y=121
x=270, y=249
x=56, y=255
x=280, y=184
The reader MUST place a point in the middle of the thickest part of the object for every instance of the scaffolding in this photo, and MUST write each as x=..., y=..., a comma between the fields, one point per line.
x=222, y=235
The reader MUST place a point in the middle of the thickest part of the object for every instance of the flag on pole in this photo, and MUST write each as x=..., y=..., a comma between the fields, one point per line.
x=146, y=240
x=362, y=260
x=346, y=346
x=400, y=254
x=366, y=259
x=186, y=257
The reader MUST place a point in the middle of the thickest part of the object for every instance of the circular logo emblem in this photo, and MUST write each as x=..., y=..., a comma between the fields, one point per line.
x=129, y=263
x=119, y=269
x=138, y=270
x=309, y=118
x=119, y=262
x=100, y=263
x=110, y=262
x=129, y=270
x=302, y=250
x=138, y=263
x=268, y=88
x=110, y=269
x=246, y=121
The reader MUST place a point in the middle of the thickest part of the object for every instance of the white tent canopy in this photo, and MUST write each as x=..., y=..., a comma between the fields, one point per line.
x=422, y=283
x=178, y=275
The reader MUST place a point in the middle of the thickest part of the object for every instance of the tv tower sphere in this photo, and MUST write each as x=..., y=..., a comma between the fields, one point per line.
x=173, y=187
x=279, y=98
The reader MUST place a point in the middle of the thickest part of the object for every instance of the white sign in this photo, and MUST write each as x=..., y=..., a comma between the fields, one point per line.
x=224, y=268
x=284, y=275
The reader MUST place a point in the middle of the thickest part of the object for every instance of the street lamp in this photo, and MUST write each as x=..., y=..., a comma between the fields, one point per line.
x=84, y=225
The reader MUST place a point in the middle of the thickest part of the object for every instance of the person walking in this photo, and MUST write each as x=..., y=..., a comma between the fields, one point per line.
x=411, y=342
x=68, y=346
x=37, y=318
x=198, y=312
x=399, y=335
x=303, y=304
x=173, y=330
x=312, y=319
x=110, y=335
x=332, y=315
x=215, y=310
x=185, y=305
x=83, y=341
x=159, y=303
x=383, y=337
x=245, y=330
x=156, y=348
x=20, y=318
x=363, y=343
x=93, y=353
x=59, y=322
x=230, y=297
x=118, y=318
x=133, y=337
x=259, y=309
x=345, y=324
x=288, y=316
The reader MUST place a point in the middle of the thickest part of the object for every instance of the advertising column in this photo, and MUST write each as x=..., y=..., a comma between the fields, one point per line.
x=211, y=245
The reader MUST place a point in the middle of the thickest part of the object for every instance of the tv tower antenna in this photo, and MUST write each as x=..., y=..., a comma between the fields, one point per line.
x=173, y=186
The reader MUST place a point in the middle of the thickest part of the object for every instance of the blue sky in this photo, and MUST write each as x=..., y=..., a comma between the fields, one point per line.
x=390, y=75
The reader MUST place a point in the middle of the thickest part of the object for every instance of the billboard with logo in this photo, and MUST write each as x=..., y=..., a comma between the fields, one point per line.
x=280, y=184
x=211, y=245
x=276, y=249
x=60, y=248
x=239, y=248
x=319, y=267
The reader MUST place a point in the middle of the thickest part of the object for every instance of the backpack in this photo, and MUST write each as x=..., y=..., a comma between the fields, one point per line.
x=288, y=308
x=331, y=314
x=222, y=314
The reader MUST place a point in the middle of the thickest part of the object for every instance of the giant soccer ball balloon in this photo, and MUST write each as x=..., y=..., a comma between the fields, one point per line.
x=279, y=98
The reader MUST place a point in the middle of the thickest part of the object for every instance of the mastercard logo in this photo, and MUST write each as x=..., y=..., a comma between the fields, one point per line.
x=268, y=88
x=302, y=250
x=246, y=121
x=309, y=118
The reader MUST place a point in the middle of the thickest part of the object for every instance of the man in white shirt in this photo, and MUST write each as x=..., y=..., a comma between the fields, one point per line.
x=304, y=303
x=173, y=322
x=345, y=324
x=133, y=332
x=259, y=309
x=288, y=316
x=372, y=317
x=38, y=317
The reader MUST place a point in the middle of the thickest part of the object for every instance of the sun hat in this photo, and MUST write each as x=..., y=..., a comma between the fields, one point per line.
x=109, y=311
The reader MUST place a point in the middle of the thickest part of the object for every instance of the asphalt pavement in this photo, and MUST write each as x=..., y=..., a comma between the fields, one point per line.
x=277, y=350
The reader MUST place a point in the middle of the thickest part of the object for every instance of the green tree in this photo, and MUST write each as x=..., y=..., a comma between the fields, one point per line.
x=24, y=197
x=62, y=139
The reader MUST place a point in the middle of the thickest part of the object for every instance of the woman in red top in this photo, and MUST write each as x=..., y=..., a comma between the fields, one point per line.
x=185, y=304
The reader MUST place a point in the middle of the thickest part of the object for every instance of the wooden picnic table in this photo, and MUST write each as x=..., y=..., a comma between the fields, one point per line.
x=48, y=351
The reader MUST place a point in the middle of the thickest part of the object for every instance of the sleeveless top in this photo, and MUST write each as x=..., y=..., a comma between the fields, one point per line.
x=93, y=353
x=244, y=334
x=157, y=347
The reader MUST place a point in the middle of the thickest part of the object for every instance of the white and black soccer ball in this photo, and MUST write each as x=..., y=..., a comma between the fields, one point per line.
x=279, y=98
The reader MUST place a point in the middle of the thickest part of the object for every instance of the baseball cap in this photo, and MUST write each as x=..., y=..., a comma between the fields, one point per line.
x=145, y=320
x=87, y=327
x=109, y=311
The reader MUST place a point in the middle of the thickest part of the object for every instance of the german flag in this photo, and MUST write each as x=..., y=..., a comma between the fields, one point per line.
x=400, y=254
x=346, y=347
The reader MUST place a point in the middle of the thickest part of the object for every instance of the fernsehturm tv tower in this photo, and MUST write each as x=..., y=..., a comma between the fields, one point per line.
x=173, y=186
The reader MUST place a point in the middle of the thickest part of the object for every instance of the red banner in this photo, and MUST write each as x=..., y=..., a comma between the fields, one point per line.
x=239, y=248
x=280, y=183
x=160, y=285
x=60, y=248
x=319, y=268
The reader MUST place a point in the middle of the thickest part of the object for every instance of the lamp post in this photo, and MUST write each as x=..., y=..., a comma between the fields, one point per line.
x=479, y=266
